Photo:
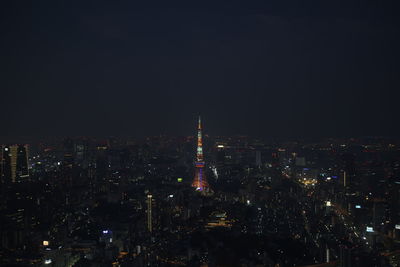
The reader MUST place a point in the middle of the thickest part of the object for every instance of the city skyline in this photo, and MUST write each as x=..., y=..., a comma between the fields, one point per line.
x=226, y=133
x=119, y=202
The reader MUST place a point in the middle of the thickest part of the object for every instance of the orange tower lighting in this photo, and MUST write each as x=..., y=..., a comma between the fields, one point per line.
x=199, y=182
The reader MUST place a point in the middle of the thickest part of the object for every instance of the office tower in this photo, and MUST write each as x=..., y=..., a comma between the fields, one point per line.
x=81, y=155
x=5, y=164
x=258, y=158
x=14, y=163
x=149, y=212
x=349, y=170
x=378, y=213
x=68, y=149
x=22, y=161
x=199, y=182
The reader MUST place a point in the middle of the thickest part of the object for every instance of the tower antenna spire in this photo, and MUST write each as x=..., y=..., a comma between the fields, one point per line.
x=199, y=125
x=199, y=182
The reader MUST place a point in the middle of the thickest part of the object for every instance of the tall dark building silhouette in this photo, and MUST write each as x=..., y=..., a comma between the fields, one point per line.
x=14, y=163
x=149, y=212
x=349, y=170
x=5, y=164
x=68, y=148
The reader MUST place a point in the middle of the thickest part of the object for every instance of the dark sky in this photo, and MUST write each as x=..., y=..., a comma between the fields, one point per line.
x=262, y=68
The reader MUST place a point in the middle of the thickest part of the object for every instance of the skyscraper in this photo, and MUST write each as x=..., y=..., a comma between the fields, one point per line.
x=14, y=163
x=6, y=172
x=69, y=147
x=22, y=168
x=258, y=158
x=149, y=212
x=200, y=182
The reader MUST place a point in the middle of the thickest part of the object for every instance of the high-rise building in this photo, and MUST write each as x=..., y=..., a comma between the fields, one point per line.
x=200, y=182
x=68, y=148
x=258, y=158
x=14, y=163
x=5, y=164
x=149, y=212
x=22, y=162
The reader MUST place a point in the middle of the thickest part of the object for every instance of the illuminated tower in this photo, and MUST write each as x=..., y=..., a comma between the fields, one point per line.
x=199, y=182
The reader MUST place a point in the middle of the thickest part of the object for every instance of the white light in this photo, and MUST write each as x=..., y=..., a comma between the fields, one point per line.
x=171, y=196
x=45, y=243
x=48, y=261
x=248, y=202
x=370, y=229
x=358, y=207
x=328, y=204
x=220, y=146
x=6, y=149
x=58, y=163
x=328, y=178
x=397, y=226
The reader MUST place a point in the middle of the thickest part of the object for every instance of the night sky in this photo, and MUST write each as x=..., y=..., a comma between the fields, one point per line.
x=261, y=68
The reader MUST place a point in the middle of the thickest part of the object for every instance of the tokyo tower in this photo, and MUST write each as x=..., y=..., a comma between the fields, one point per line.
x=199, y=182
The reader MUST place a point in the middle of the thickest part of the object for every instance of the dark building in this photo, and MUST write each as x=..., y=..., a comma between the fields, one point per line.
x=68, y=150
x=5, y=164
x=22, y=168
x=14, y=163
